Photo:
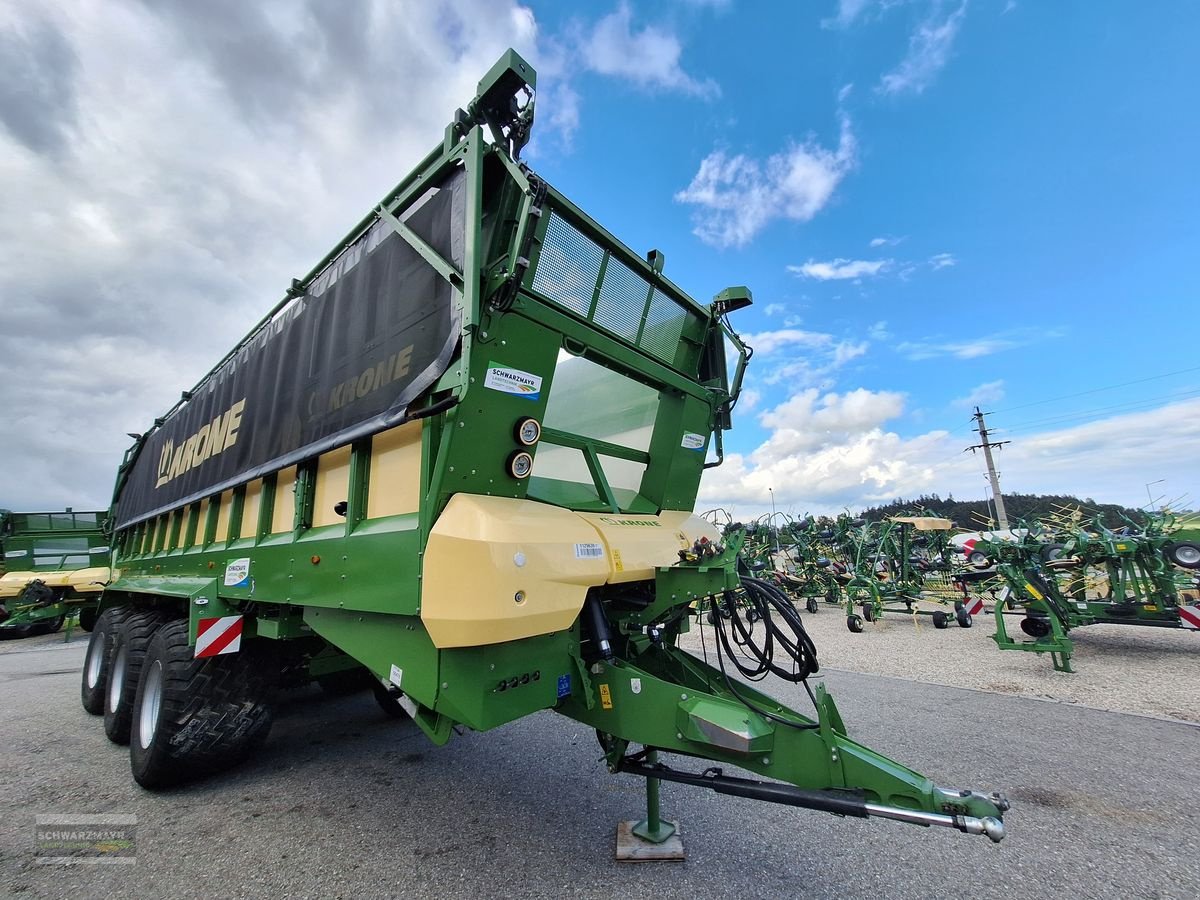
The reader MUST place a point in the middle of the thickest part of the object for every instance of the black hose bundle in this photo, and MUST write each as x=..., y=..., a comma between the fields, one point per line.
x=758, y=620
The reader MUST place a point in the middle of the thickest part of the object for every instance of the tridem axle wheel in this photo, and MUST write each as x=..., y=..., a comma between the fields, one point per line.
x=194, y=716
x=98, y=662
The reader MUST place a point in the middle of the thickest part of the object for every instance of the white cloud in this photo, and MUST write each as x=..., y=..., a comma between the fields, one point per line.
x=847, y=12
x=929, y=50
x=986, y=345
x=942, y=261
x=828, y=452
x=774, y=309
x=767, y=342
x=886, y=240
x=844, y=92
x=879, y=332
x=840, y=269
x=981, y=395
x=649, y=57
x=739, y=196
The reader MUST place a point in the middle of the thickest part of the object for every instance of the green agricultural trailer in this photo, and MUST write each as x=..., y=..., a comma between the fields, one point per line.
x=460, y=457
x=53, y=566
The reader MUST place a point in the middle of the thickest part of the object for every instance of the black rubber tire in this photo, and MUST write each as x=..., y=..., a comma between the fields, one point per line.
x=1185, y=554
x=98, y=660
x=855, y=624
x=211, y=713
x=388, y=701
x=15, y=632
x=964, y=618
x=87, y=618
x=979, y=560
x=345, y=682
x=811, y=604
x=1036, y=626
x=49, y=626
x=868, y=612
x=128, y=651
x=1050, y=552
x=940, y=619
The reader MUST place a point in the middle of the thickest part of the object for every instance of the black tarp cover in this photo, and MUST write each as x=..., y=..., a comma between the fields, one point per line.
x=371, y=333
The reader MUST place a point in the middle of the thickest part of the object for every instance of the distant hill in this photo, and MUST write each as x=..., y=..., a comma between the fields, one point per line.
x=971, y=514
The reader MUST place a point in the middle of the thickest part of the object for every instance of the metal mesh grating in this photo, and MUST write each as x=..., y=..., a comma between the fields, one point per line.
x=569, y=266
x=622, y=300
x=568, y=273
x=664, y=326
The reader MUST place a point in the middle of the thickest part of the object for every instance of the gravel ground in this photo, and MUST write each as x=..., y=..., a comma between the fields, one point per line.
x=1123, y=668
x=342, y=802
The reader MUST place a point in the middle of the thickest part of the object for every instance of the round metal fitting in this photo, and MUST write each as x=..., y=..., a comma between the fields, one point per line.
x=527, y=431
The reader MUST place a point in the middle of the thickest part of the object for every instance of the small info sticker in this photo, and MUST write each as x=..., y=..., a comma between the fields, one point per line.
x=692, y=441
x=396, y=675
x=589, y=551
x=237, y=572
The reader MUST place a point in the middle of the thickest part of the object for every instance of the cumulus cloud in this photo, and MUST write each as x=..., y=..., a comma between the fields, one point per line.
x=886, y=240
x=840, y=269
x=738, y=196
x=942, y=261
x=649, y=56
x=929, y=48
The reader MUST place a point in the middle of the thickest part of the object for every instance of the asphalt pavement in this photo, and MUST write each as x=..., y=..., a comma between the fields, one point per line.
x=342, y=802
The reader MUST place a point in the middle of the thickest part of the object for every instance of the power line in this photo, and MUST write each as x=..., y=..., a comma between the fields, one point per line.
x=1099, y=389
x=1131, y=406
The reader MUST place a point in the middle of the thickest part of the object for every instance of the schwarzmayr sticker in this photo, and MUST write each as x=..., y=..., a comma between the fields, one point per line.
x=513, y=381
x=693, y=441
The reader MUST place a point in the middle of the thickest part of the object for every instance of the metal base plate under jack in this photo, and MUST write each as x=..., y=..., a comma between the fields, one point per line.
x=631, y=848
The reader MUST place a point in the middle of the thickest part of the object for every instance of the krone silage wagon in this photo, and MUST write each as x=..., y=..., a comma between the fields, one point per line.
x=461, y=456
x=53, y=565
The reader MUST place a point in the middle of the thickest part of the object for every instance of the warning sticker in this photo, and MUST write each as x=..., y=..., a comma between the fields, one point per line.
x=1033, y=592
x=564, y=686
x=693, y=441
x=589, y=551
x=605, y=697
x=617, y=564
x=396, y=676
x=513, y=381
x=237, y=572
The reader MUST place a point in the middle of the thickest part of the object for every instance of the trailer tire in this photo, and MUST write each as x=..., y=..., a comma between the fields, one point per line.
x=964, y=618
x=855, y=624
x=868, y=611
x=98, y=661
x=1185, y=554
x=192, y=717
x=128, y=652
x=811, y=604
x=53, y=626
x=940, y=619
x=388, y=702
x=87, y=618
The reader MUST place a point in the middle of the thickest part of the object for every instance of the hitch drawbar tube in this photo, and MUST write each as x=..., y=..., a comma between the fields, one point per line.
x=838, y=803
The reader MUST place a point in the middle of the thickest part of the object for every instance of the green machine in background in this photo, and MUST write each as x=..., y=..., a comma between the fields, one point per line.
x=460, y=457
x=53, y=566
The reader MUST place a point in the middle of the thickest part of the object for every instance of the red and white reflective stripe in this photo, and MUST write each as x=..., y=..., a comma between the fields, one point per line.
x=968, y=546
x=1189, y=617
x=217, y=636
x=973, y=605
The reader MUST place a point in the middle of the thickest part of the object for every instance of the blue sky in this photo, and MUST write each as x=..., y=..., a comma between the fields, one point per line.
x=935, y=203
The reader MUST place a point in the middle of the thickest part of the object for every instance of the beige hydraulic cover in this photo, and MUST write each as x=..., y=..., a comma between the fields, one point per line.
x=925, y=523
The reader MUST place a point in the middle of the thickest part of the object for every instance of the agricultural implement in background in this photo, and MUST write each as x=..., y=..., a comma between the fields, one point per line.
x=459, y=458
x=53, y=566
x=891, y=566
x=1095, y=576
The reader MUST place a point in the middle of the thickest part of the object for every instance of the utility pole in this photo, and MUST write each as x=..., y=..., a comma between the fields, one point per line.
x=986, y=446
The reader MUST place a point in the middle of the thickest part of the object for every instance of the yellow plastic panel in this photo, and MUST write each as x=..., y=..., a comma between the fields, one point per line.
x=333, y=486
x=250, y=507
x=499, y=569
x=201, y=522
x=223, y=517
x=283, y=516
x=395, y=480
x=637, y=545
